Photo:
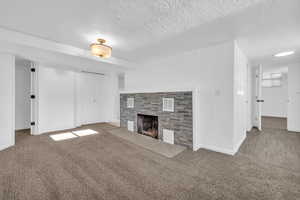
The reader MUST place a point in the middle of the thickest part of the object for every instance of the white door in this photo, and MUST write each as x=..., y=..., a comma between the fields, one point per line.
x=90, y=97
x=249, y=98
x=258, y=97
x=294, y=98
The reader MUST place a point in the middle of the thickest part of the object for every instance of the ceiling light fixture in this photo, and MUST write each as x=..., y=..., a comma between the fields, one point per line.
x=100, y=49
x=286, y=53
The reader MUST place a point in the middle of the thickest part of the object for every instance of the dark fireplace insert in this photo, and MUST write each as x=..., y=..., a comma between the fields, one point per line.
x=147, y=125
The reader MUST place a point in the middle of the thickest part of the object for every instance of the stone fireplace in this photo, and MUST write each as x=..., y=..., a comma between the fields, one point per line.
x=147, y=125
x=166, y=116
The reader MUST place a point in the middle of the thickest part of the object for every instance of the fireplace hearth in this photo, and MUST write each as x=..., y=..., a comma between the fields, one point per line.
x=147, y=125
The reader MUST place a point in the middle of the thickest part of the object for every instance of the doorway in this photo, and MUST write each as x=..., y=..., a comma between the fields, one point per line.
x=272, y=97
x=22, y=96
x=275, y=96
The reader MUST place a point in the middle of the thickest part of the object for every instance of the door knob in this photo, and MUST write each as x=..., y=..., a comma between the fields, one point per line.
x=260, y=100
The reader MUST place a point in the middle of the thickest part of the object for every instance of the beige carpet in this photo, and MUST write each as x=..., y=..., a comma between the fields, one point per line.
x=274, y=123
x=105, y=166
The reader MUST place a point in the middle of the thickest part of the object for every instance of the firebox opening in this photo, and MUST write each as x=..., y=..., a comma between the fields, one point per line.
x=147, y=125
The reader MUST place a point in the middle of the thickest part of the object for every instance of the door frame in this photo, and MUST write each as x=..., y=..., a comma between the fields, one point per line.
x=258, y=97
x=34, y=113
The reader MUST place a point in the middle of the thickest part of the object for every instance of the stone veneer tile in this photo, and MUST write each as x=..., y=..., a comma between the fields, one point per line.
x=180, y=121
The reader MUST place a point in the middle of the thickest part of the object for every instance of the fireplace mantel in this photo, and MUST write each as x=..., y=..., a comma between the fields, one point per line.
x=166, y=90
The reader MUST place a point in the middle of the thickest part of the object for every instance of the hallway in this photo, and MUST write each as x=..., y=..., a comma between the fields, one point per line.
x=273, y=145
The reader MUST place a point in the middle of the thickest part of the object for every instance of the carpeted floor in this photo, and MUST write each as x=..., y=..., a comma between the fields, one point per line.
x=274, y=123
x=104, y=166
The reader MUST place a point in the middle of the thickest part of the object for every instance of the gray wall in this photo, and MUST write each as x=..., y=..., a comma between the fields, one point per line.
x=180, y=121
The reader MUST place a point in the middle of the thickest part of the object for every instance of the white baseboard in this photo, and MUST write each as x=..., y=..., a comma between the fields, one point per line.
x=23, y=128
x=231, y=152
x=196, y=148
x=275, y=116
x=65, y=128
x=218, y=149
x=115, y=123
x=2, y=147
x=237, y=147
x=294, y=130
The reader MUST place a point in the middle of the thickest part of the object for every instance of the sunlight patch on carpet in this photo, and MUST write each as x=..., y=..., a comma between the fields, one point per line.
x=63, y=136
x=85, y=132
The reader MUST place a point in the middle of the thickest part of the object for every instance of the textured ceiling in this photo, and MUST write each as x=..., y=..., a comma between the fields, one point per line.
x=139, y=30
x=168, y=17
x=127, y=25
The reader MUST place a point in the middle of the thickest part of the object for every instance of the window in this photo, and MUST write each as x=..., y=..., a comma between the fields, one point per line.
x=271, y=79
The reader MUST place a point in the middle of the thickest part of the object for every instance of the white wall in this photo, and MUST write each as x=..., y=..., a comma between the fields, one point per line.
x=294, y=98
x=56, y=99
x=22, y=92
x=7, y=100
x=208, y=69
x=275, y=99
x=241, y=107
x=68, y=99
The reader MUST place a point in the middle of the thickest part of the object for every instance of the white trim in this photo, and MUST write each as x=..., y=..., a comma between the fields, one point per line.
x=294, y=130
x=250, y=128
x=34, y=103
x=196, y=145
x=54, y=130
x=219, y=150
x=231, y=152
x=274, y=116
x=237, y=147
x=157, y=90
x=33, y=41
x=13, y=99
x=3, y=147
x=115, y=123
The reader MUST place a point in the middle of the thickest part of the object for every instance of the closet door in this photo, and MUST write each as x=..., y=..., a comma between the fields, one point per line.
x=92, y=98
